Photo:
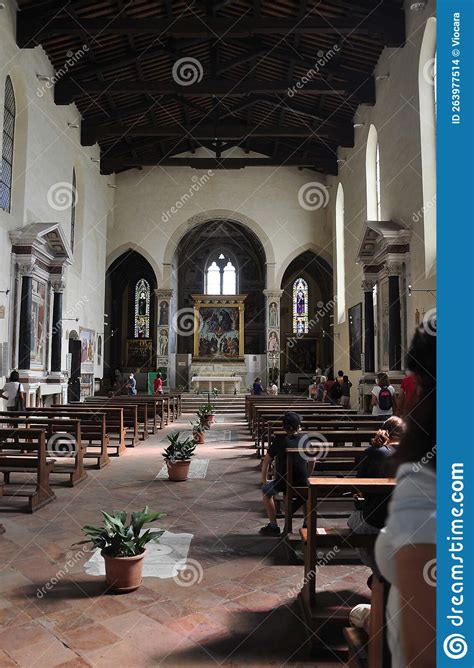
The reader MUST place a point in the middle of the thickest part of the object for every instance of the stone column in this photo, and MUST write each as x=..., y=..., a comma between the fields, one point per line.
x=58, y=285
x=163, y=335
x=25, y=270
x=273, y=337
x=394, y=270
x=369, y=325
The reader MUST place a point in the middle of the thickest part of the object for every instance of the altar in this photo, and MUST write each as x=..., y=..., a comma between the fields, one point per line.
x=226, y=384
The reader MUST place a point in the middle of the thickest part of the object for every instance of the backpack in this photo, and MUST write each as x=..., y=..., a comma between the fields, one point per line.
x=385, y=399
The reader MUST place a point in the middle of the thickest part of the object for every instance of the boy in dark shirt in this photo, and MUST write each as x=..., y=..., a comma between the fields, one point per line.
x=346, y=392
x=292, y=439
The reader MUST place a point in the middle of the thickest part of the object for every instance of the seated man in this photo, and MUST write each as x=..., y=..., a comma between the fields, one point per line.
x=292, y=439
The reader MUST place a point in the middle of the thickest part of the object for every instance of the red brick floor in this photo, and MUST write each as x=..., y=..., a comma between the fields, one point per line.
x=243, y=613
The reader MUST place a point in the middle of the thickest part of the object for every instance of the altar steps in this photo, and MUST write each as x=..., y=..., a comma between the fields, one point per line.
x=225, y=404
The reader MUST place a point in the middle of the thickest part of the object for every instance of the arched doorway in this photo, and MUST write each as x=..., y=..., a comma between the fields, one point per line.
x=306, y=310
x=130, y=341
x=208, y=255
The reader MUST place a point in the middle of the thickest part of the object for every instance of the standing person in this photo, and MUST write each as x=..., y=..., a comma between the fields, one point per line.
x=340, y=377
x=328, y=385
x=383, y=396
x=318, y=371
x=273, y=388
x=407, y=394
x=346, y=392
x=292, y=426
x=407, y=543
x=320, y=393
x=132, y=385
x=313, y=390
x=158, y=384
x=257, y=388
x=14, y=393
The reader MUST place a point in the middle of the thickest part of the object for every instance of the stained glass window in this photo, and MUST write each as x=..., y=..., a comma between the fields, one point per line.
x=142, y=309
x=221, y=277
x=300, y=306
x=9, y=111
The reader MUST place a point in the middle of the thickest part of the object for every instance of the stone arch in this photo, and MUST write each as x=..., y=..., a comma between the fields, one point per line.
x=20, y=144
x=317, y=250
x=121, y=250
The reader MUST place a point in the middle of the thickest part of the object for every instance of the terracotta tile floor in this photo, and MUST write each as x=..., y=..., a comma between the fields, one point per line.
x=243, y=613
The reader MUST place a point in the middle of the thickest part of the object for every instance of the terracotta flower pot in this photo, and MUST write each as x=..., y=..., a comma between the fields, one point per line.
x=208, y=420
x=199, y=437
x=123, y=574
x=178, y=471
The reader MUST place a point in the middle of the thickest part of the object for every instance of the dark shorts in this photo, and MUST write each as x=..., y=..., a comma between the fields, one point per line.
x=273, y=487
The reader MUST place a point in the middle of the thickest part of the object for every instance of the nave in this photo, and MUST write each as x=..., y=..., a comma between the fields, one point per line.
x=240, y=609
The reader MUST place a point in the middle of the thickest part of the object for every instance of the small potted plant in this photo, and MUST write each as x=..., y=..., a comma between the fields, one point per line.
x=178, y=456
x=205, y=414
x=199, y=430
x=122, y=545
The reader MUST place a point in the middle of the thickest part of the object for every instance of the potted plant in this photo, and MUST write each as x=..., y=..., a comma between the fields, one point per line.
x=178, y=456
x=199, y=430
x=122, y=545
x=205, y=413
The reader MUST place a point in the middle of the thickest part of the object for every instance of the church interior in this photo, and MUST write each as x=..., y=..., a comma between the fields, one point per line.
x=217, y=268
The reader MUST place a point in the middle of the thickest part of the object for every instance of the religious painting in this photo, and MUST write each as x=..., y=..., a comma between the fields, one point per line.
x=300, y=306
x=38, y=323
x=164, y=313
x=219, y=332
x=301, y=354
x=355, y=336
x=273, y=342
x=163, y=342
x=142, y=309
x=139, y=353
x=87, y=339
x=273, y=315
x=384, y=329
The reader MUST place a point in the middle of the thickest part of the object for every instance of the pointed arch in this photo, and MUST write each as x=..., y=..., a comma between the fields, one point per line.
x=372, y=176
x=340, y=257
x=8, y=146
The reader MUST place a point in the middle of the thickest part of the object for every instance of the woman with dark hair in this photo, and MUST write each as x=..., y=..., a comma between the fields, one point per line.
x=257, y=387
x=14, y=392
x=406, y=546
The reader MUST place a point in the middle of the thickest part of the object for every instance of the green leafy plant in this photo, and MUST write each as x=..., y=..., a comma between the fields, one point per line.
x=179, y=449
x=205, y=409
x=215, y=392
x=117, y=538
x=198, y=427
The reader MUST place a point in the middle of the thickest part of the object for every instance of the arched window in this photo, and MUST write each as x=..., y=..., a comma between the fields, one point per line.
x=372, y=176
x=73, y=207
x=300, y=306
x=6, y=169
x=340, y=260
x=221, y=276
x=142, y=309
x=427, y=95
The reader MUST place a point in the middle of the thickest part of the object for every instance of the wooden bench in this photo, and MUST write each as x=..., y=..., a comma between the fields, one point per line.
x=93, y=429
x=121, y=421
x=24, y=451
x=304, y=410
x=63, y=444
x=314, y=537
x=135, y=416
x=370, y=650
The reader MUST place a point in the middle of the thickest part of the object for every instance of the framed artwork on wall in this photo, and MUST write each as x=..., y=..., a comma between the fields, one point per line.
x=355, y=336
x=219, y=328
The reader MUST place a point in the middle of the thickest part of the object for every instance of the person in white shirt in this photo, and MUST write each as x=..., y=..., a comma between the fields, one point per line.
x=383, y=398
x=273, y=388
x=11, y=390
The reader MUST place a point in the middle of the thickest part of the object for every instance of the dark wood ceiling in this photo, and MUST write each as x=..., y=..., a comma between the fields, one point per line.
x=115, y=60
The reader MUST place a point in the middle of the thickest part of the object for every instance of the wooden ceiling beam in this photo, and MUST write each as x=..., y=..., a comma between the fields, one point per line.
x=67, y=89
x=109, y=165
x=388, y=25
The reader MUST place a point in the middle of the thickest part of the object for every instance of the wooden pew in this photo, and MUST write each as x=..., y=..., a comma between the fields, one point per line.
x=24, y=451
x=63, y=443
x=370, y=650
x=93, y=429
x=121, y=421
x=157, y=408
x=135, y=415
x=314, y=537
x=304, y=411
